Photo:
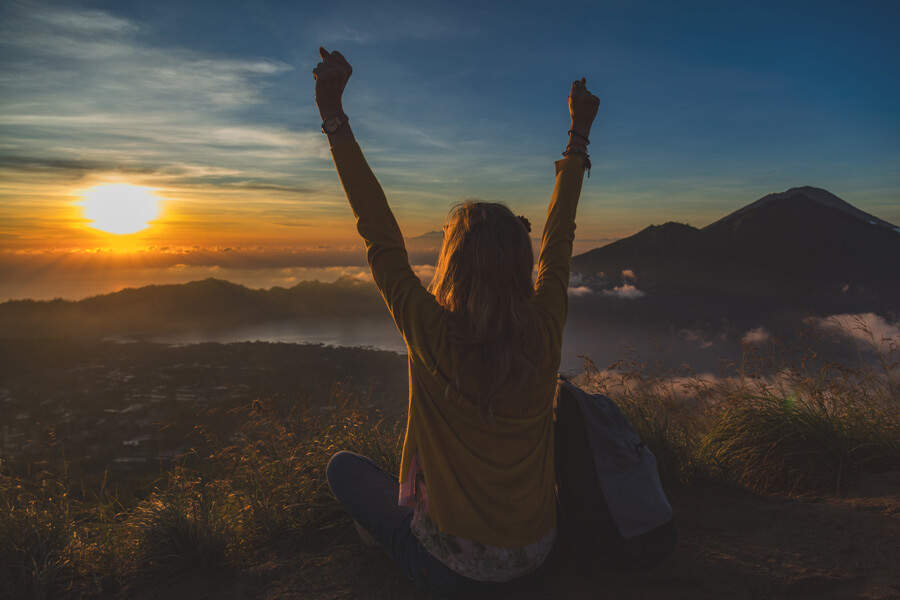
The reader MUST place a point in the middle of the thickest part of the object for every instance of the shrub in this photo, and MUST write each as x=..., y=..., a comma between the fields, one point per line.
x=783, y=445
x=35, y=531
x=191, y=522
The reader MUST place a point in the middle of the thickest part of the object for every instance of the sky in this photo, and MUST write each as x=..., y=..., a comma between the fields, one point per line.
x=705, y=107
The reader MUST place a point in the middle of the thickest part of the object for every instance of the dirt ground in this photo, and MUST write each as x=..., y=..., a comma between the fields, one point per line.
x=732, y=545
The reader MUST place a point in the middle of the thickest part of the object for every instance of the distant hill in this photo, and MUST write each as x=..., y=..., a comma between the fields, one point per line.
x=434, y=238
x=211, y=304
x=803, y=248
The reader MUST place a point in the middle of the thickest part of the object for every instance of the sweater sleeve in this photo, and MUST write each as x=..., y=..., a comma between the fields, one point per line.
x=552, y=282
x=414, y=309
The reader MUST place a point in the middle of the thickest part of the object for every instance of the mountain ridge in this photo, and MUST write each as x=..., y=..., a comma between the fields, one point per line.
x=208, y=304
x=820, y=195
x=804, y=244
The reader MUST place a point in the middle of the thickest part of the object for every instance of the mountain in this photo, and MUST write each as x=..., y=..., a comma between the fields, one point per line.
x=802, y=248
x=429, y=237
x=817, y=194
x=211, y=304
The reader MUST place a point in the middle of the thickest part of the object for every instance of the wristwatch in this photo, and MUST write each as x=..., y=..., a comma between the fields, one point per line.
x=333, y=124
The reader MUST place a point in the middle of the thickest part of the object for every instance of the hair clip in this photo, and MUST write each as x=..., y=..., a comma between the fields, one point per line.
x=525, y=222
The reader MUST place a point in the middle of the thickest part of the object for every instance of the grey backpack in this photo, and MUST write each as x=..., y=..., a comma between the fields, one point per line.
x=611, y=501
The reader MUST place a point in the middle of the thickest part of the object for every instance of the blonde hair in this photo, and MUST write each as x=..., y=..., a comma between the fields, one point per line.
x=483, y=277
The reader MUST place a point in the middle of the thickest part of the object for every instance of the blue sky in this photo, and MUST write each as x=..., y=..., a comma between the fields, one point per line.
x=705, y=107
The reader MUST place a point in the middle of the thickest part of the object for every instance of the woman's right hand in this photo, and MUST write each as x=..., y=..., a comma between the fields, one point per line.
x=583, y=107
x=331, y=77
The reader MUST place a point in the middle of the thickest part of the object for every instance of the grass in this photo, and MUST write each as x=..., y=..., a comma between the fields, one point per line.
x=191, y=522
x=766, y=426
x=762, y=426
x=213, y=510
x=790, y=444
x=36, y=529
x=804, y=429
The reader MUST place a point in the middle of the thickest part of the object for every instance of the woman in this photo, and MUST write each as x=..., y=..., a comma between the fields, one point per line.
x=477, y=507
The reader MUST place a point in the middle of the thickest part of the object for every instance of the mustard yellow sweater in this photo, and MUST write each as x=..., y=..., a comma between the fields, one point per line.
x=488, y=482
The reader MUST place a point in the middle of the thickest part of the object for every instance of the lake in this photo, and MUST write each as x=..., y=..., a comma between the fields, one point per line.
x=603, y=341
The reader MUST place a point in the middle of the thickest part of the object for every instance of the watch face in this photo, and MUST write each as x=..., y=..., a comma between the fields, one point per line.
x=331, y=124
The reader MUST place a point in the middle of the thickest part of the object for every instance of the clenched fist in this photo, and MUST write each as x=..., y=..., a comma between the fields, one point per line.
x=583, y=107
x=331, y=77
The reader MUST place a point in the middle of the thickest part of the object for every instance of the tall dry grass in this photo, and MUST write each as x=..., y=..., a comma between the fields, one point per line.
x=786, y=419
x=37, y=532
x=210, y=511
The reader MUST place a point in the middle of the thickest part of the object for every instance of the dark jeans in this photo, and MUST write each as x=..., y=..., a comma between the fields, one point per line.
x=370, y=496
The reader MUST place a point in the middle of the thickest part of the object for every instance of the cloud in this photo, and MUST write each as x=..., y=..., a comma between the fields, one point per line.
x=628, y=274
x=694, y=336
x=87, y=93
x=581, y=290
x=39, y=164
x=113, y=55
x=626, y=291
x=363, y=276
x=868, y=330
x=756, y=336
x=23, y=263
x=424, y=272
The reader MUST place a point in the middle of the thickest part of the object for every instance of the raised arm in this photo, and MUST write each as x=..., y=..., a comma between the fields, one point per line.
x=555, y=260
x=414, y=310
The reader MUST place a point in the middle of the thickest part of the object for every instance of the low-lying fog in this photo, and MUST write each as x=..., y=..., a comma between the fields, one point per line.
x=603, y=340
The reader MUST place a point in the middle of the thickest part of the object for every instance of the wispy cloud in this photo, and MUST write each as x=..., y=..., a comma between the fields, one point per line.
x=756, y=336
x=88, y=95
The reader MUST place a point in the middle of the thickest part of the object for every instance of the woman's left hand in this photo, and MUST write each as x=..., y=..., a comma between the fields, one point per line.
x=331, y=77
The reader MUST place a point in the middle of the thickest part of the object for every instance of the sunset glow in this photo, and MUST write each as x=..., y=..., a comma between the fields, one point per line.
x=120, y=208
x=148, y=129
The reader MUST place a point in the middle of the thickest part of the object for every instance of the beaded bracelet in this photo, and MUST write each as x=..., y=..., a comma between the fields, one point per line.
x=586, y=141
x=587, y=158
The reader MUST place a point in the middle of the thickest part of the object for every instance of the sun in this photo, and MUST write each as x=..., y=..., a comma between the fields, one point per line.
x=120, y=208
